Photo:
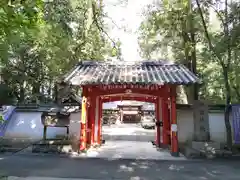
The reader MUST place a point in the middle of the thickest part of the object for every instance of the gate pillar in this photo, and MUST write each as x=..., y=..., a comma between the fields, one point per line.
x=166, y=122
x=99, y=134
x=158, y=122
x=174, y=128
x=83, y=127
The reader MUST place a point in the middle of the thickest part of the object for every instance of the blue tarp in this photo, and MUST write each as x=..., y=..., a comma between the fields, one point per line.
x=236, y=123
x=5, y=118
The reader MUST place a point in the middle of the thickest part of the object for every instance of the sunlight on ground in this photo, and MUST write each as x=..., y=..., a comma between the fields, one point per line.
x=173, y=167
x=128, y=141
x=126, y=131
x=114, y=150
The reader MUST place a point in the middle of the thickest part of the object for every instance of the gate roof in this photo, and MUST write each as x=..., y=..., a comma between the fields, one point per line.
x=140, y=72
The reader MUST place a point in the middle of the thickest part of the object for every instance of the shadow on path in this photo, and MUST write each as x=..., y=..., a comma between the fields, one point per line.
x=104, y=169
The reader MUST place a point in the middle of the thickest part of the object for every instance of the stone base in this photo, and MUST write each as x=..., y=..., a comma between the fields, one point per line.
x=207, y=150
x=162, y=146
x=103, y=141
x=50, y=146
x=175, y=154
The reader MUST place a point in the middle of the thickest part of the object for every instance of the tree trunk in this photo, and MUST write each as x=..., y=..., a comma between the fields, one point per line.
x=194, y=63
x=227, y=108
x=226, y=68
x=193, y=48
x=50, y=89
x=36, y=91
x=21, y=94
x=56, y=94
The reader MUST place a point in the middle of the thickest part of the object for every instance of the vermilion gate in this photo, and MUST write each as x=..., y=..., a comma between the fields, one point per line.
x=149, y=81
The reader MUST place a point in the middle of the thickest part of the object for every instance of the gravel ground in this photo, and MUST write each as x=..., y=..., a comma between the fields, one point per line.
x=118, y=159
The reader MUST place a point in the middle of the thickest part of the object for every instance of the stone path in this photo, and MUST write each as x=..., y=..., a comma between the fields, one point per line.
x=129, y=141
x=30, y=167
x=131, y=150
x=128, y=132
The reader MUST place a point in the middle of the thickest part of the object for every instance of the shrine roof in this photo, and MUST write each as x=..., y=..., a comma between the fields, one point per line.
x=122, y=72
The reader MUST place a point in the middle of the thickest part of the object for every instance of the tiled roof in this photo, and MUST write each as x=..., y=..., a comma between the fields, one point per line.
x=141, y=72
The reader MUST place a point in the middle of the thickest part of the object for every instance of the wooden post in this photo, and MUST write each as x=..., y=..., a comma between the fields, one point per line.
x=100, y=122
x=96, y=128
x=166, y=122
x=67, y=132
x=93, y=111
x=89, y=121
x=158, y=119
x=44, y=132
x=83, y=137
x=174, y=136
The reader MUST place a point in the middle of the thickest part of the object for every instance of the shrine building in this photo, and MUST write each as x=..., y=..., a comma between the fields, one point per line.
x=146, y=81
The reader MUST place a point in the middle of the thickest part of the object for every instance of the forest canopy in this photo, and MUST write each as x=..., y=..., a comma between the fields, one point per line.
x=202, y=34
x=42, y=40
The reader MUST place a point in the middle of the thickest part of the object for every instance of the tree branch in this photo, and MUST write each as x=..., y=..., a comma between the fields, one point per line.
x=100, y=28
x=205, y=28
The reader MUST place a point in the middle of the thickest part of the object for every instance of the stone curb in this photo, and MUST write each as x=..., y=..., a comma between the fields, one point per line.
x=42, y=178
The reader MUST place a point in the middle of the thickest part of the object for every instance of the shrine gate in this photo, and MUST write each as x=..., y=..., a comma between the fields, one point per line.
x=147, y=81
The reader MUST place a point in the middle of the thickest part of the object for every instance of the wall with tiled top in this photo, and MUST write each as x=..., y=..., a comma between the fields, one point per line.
x=28, y=125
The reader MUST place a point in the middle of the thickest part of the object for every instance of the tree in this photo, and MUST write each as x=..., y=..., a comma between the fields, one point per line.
x=172, y=26
x=42, y=40
x=222, y=50
x=184, y=30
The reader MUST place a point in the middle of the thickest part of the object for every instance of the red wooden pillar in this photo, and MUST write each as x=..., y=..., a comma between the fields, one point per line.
x=166, y=121
x=83, y=136
x=158, y=130
x=96, y=125
x=89, y=123
x=99, y=134
x=174, y=136
x=93, y=111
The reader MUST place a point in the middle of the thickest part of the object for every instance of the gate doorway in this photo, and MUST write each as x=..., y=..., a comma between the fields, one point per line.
x=130, y=128
x=147, y=81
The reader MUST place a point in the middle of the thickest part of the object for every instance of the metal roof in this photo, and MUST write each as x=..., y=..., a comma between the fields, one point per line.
x=140, y=72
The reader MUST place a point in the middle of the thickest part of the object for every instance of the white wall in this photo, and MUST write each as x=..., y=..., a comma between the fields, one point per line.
x=185, y=125
x=74, y=126
x=28, y=125
x=216, y=126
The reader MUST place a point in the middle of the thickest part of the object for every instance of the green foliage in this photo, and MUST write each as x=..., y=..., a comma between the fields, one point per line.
x=166, y=33
x=41, y=40
x=5, y=95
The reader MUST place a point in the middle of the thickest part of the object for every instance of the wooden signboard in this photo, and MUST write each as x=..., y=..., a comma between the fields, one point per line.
x=201, y=121
x=56, y=119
